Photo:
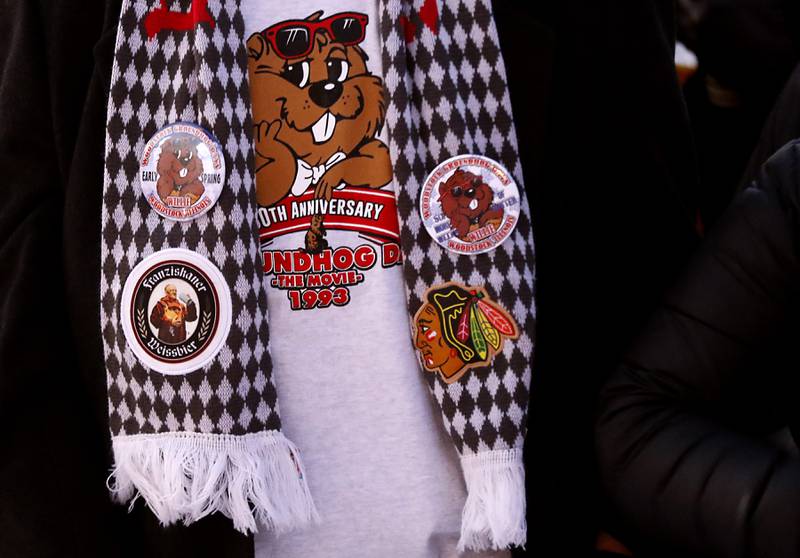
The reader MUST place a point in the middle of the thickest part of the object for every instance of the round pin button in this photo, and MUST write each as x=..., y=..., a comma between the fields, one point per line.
x=182, y=171
x=469, y=204
x=175, y=311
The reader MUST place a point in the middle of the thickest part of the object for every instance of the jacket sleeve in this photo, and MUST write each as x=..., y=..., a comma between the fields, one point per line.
x=682, y=424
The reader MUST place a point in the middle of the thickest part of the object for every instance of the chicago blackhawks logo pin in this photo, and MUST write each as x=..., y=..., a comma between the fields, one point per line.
x=182, y=171
x=469, y=204
x=458, y=328
x=175, y=311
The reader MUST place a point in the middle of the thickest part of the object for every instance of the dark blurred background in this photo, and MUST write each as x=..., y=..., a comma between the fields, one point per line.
x=745, y=51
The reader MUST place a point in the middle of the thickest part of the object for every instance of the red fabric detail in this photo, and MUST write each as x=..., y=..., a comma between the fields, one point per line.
x=163, y=18
x=429, y=14
x=409, y=29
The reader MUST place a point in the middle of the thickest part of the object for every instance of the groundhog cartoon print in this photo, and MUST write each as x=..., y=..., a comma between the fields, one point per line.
x=179, y=170
x=467, y=202
x=320, y=165
x=316, y=114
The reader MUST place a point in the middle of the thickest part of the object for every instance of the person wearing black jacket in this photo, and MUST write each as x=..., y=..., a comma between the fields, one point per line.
x=606, y=154
x=698, y=428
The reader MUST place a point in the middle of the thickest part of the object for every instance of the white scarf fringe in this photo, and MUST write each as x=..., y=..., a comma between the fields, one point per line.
x=255, y=479
x=494, y=514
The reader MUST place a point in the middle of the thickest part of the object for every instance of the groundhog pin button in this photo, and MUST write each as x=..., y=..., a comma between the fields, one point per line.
x=175, y=311
x=469, y=204
x=182, y=171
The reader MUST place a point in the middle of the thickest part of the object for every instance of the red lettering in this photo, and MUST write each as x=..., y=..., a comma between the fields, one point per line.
x=365, y=256
x=341, y=296
x=390, y=254
x=343, y=258
x=322, y=261
x=325, y=298
x=302, y=262
x=308, y=299
x=282, y=262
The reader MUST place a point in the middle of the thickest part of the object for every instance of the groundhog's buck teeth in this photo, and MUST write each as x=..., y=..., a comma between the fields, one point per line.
x=323, y=128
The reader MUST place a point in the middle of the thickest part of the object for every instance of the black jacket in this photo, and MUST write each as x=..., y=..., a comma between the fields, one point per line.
x=782, y=126
x=746, y=51
x=689, y=425
x=608, y=165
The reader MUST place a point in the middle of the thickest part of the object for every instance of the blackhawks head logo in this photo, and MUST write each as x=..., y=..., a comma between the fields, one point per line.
x=458, y=328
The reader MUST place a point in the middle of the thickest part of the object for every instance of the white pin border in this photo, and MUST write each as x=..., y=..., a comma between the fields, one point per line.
x=433, y=176
x=224, y=312
x=213, y=192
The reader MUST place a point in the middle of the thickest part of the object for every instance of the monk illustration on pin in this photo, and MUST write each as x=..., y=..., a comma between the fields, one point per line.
x=170, y=314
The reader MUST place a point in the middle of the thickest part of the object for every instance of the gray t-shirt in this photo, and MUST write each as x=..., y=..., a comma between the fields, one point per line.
x=383, y=472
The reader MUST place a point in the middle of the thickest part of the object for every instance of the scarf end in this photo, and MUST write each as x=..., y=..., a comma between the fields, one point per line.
x=254, y=479
x=494, y=513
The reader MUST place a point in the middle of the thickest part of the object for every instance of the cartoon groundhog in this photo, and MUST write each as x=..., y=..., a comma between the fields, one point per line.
x=179, y=170
x=316, y=114
x=466, y=201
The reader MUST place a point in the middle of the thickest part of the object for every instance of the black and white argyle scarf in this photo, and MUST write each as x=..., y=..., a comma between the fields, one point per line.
x=209, y=439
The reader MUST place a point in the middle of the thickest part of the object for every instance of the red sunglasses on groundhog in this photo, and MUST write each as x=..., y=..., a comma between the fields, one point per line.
x=295, y=38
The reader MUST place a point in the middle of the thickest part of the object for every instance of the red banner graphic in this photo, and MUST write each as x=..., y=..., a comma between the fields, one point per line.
x=364, y=210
